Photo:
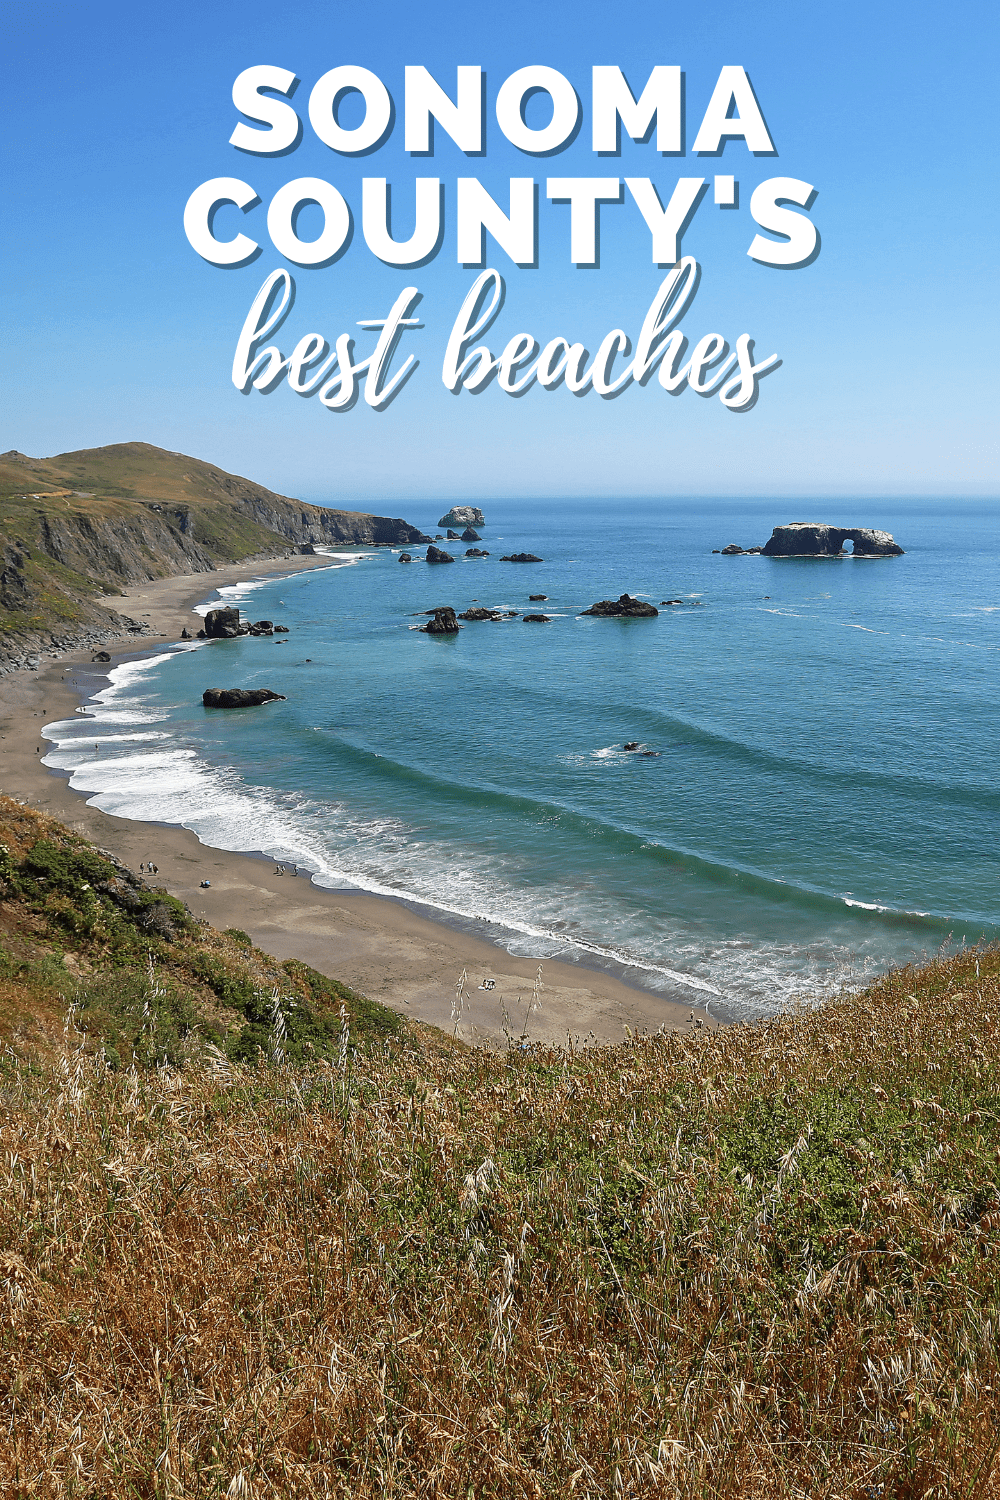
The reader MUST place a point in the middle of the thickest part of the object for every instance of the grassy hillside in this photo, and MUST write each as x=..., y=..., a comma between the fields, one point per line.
x=298, y=1247
x=79, y=527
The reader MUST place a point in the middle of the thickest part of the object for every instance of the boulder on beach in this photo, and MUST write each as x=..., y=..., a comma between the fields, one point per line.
x=623, y=605
x=463, y=515
x=222, y=624
x=521, y=557
x=101, y=656
x=435, y=555
x=185, y=634
x=239, y=697
x=468, y=535
x=443, y=623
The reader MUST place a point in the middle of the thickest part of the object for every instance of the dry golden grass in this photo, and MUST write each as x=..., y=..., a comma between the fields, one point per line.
x=758, y=1262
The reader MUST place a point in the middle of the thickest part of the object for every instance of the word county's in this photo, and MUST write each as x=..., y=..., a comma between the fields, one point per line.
x=335, y=376
x=261, y=93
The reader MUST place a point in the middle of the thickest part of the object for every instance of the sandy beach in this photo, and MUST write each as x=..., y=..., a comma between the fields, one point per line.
x=383, y=947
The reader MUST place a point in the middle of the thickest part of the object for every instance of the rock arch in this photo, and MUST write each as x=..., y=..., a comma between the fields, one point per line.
x=813, y=539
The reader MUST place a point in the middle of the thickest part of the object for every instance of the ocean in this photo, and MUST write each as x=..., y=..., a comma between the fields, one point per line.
x=822, y=800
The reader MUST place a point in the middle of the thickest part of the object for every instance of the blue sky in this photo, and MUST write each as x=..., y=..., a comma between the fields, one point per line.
x=117, y=330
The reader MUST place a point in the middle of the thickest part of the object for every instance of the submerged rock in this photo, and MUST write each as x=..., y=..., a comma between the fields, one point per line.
x=239, y=697
x=815, y=539
x=443, y=623
x=435, y=555
x=623, y=605
x=463, y=515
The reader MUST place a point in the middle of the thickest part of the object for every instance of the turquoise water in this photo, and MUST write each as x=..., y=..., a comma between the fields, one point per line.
x=824, y=798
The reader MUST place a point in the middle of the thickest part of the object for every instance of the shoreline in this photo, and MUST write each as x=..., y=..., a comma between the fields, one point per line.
x=384, y=946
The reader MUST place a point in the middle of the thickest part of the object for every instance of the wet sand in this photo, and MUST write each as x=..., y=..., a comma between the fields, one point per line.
x=384, y=948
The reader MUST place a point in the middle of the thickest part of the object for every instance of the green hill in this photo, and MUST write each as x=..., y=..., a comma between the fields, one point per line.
x=79, y=527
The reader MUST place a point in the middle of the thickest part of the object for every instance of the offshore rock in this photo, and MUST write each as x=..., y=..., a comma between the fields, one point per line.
x=535, y=597
x=463, y=515
x=281, y=629
x=453, y=536
x=262, y=627
x=623, y=605
x=435, y=555
x=522, y=557
x=443, y=623
x=481, y=614
x=536, y=619
x=468, y=535
x=222, y=624
x=405, y=557
x=239, y=697
x=475, y=552
x=814, y=539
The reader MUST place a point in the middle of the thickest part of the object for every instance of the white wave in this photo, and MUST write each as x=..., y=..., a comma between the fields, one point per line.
x=898, y=911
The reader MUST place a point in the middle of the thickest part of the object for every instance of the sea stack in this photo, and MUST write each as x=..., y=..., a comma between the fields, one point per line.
x=463, y=515
x=623, y=605
x=815, y=539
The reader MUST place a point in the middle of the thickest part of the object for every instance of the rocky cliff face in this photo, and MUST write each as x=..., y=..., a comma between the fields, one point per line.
x=812, y=539
x=299, y=522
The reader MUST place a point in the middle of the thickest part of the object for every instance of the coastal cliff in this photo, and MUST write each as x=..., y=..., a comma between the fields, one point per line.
x=79, y=527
